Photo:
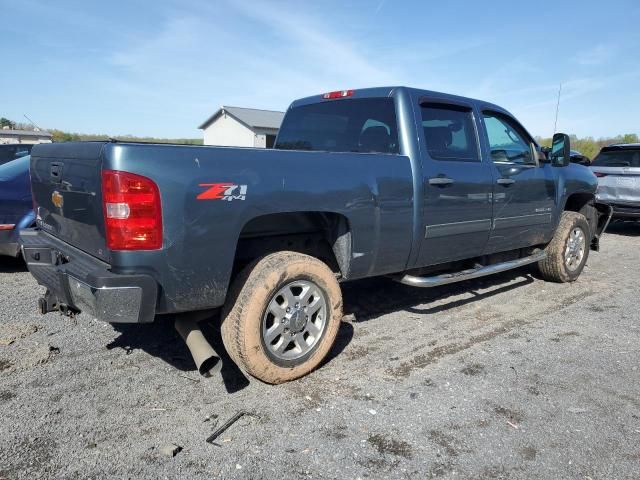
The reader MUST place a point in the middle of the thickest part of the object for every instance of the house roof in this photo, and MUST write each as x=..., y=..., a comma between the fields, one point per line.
x=251, y=117
x=25, y=133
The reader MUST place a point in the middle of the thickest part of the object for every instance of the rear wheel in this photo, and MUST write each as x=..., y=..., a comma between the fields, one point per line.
x=567, y=253
x=282, y=317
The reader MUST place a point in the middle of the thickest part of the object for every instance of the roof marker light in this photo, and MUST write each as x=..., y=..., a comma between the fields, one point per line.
x=338, y=94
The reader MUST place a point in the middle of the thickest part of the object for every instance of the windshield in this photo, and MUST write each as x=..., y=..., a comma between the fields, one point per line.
x=354, y=125
x=617, y=158
x=15, y=167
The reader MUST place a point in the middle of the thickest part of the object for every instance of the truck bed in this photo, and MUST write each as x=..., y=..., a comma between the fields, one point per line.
x=213, y=196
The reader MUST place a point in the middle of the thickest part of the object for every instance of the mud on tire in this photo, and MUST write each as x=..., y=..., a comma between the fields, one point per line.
x=268, y=304
x=568, y=251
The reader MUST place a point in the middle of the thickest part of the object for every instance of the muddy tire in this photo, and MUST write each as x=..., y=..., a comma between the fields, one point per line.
x=567, y=253
x=282, y=316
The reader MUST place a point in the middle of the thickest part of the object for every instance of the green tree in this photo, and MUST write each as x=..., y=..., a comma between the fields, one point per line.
x=5, y=122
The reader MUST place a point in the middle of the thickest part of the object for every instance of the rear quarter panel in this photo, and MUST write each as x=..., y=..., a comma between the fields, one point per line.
x=374, y=192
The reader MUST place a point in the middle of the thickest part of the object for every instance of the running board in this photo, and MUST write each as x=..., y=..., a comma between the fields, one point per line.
x=426, y=282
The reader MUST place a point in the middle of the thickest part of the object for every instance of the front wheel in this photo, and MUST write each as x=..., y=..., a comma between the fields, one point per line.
x=567, y=253
x=282, y=316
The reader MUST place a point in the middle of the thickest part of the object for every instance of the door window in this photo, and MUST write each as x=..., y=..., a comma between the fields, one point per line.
x=450, y=133
x=508, y=144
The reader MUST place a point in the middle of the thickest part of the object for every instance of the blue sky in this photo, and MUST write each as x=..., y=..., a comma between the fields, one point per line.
x=160, y=68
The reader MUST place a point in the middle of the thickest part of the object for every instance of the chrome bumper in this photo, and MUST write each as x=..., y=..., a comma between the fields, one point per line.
x=77, y=282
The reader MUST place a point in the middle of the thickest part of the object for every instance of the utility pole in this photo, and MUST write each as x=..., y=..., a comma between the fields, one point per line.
x=555, y=124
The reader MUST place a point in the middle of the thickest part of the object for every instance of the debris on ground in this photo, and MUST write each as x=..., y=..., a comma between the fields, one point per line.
x=213, y=416
x=170, y=450
x=228, y=423
x=577, y=410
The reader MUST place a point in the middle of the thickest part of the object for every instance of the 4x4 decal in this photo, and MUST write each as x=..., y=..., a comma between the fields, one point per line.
x=223, y=191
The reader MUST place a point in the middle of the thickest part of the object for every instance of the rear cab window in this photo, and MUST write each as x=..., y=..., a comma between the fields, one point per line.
x=617, y=157
x=363, y=125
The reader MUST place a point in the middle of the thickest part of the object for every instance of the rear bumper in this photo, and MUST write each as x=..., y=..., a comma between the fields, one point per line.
x=627, y=210
x=9, y=239
x=9, y=243
x=78, y=282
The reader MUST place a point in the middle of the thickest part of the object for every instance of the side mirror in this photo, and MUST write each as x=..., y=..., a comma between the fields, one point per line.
x=560, y=155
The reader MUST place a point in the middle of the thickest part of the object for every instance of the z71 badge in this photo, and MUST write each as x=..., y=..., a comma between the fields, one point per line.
x=223, y=191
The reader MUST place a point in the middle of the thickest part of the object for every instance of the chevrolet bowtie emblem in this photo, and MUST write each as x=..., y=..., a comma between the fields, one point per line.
x=56, y=198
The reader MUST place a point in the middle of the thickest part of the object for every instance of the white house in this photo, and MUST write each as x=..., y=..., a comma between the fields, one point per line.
x=242, y=127
x=8, y=135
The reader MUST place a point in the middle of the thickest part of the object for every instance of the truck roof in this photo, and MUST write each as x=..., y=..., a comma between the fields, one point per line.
x=415, y=92
x=633, y=146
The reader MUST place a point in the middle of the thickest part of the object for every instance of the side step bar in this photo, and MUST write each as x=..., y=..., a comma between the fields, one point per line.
x=444, y=279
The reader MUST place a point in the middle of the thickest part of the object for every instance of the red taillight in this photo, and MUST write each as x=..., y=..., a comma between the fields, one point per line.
x=600, y=174
x=7, y=226
x=338, y=94
x=132, y=211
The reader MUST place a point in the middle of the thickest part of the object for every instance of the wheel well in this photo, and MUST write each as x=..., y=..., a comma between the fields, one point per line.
x=583, y=203
x=323, y=235
x=577, y=201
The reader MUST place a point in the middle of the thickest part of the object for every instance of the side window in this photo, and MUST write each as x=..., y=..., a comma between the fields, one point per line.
x=507, y=143
x=450, y=133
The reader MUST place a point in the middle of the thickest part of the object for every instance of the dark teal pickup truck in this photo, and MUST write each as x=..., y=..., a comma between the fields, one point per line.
x=423, y=187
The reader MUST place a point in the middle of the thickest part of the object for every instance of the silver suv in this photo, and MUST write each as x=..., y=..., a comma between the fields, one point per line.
x=618, y=170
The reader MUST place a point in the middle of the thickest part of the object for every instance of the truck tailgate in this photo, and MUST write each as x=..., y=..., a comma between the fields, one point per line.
x=65, y=179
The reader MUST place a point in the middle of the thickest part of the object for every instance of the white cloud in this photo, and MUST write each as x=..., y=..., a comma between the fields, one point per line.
x=316, y=48
x=597, y=55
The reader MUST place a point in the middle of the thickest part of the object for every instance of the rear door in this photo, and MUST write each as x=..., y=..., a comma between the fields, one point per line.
x=66, y=183
x=457, y=184
x=523, y=191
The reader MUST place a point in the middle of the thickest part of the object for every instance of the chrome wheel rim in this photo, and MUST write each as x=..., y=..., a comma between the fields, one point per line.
x=574, y=251
x=294, y=320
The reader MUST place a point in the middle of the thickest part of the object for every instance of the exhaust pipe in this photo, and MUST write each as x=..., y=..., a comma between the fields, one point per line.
x=207, y=360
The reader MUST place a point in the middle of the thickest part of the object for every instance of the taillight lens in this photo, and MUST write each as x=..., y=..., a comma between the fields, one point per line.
x=132, y=211
x=600, y=174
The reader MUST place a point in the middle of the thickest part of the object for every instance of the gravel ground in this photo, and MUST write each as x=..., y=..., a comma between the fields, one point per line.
x=504, y=377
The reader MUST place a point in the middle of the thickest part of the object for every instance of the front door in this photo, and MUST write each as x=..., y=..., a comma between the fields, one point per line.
x=523, y=192
x=457, y=185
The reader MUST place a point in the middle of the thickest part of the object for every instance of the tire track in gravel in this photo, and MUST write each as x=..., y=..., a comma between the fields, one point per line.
x=525, y=318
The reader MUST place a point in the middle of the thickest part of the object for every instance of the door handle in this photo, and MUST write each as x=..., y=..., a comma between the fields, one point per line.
x=506, y=181
x=440, y=181
x=56, y=170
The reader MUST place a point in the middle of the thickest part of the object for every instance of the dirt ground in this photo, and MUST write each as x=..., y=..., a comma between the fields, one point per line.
x=503, y=377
